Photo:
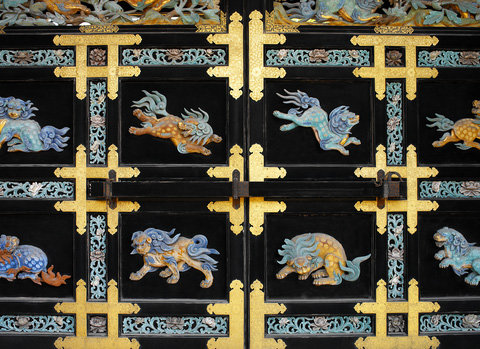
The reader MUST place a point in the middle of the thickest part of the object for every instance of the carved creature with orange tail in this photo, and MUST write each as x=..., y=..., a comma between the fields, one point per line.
x=25, y=261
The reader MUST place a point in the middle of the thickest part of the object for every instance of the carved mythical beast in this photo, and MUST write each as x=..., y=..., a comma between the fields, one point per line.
x=23, y=134
x=466, y=130
x=332, y=132
x=25, y=261
x=189, y=135
x=160, y=248
x=309, y=252
x=459, y=254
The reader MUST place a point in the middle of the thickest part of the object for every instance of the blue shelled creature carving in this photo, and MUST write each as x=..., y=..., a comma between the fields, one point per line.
x=321, y=254
x=459, y=254
x=332, y=131
x=25, y=261
x=189, y=134
x=24, y=134
x=160, y=248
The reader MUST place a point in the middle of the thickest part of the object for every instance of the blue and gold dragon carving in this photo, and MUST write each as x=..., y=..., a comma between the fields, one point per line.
x=332, y=131
x=160, y=248
x=24, y=134
x=459, y=254
x=26, y=262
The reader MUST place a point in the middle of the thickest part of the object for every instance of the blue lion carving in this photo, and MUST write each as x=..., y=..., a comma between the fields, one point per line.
x=160, y=248
x=25, y=261
x=332, y=132
x=23, y=134
x=459, y=254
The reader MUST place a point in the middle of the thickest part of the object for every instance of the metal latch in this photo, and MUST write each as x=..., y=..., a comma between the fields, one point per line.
x=239, y=189
x=391, y=188
x=111, y=201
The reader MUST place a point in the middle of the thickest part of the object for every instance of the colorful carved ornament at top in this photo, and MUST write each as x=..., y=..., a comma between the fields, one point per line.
x=332, y=131
x=102, y=12
x=24, y=134
x=189, y=134
x=371, y=12
x=320, y=254
x=459, y=254
x=466, y=130
x=160, y=248
x=25, y=261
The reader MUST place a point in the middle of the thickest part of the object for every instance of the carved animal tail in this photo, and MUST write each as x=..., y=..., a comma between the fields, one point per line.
x=52, y=138
x=52, y=279
x=352, y=269
x=199, y=251
x=441, y=122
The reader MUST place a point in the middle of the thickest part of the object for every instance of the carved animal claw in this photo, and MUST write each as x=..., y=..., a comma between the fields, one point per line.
x=173, y=279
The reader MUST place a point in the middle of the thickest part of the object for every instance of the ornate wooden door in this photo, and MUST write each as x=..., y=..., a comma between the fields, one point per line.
x=231, y=174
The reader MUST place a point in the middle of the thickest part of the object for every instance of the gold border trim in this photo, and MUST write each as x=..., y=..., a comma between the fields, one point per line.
x=272, y=27
x=214, y=28
x=107, y=28
x=391, y=29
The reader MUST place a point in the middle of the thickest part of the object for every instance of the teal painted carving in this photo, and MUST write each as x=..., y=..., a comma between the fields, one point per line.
x=160, y=248
x=332, y=132
x=286, y=57
x=101, y=12
x=371, y=12
x=98, y=250
x=157, y=56
x=189, y=134
x=450, y=323
x=25, y=261
x=36, y=190
x=37, y=324
x=396, y=263
x=394, y=124
x=466, y=130
x=459, y=254
x=98, y=131
x=449, y=189
x=175, y=325
x=318, y=325
x=321, y=254
x=449, y=59
x=23, y=134
x=19, y=58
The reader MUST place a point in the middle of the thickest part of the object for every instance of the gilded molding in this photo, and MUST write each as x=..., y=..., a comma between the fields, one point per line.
x=235, y=310
x=214, y=28
x=411, y=173
x=258, y=310
x=382, y=307
x=108, y=28
x=410, y=72
x=272, y=27
x=2, y=29
x=81, y=205
x=258, y=173
x=112, y=308
x=393, y=29
x=257, y=71
x=236, y=215
x=112, y=71
x=234, y=70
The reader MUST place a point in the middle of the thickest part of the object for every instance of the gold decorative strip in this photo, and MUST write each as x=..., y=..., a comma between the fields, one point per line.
x=236, y=215
x=257, y=72
x=258, y=310
x=411, y=173
x=234, y=70
x=112, y=71
x=258, y=173
x=214, y=28
x=81, y=205
x=393, y=29
x=2, y=29
x=107, y=28
x=272, y=27
x=112, y=308
x=382, y=307
x=410, y=72
x=235, y=310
